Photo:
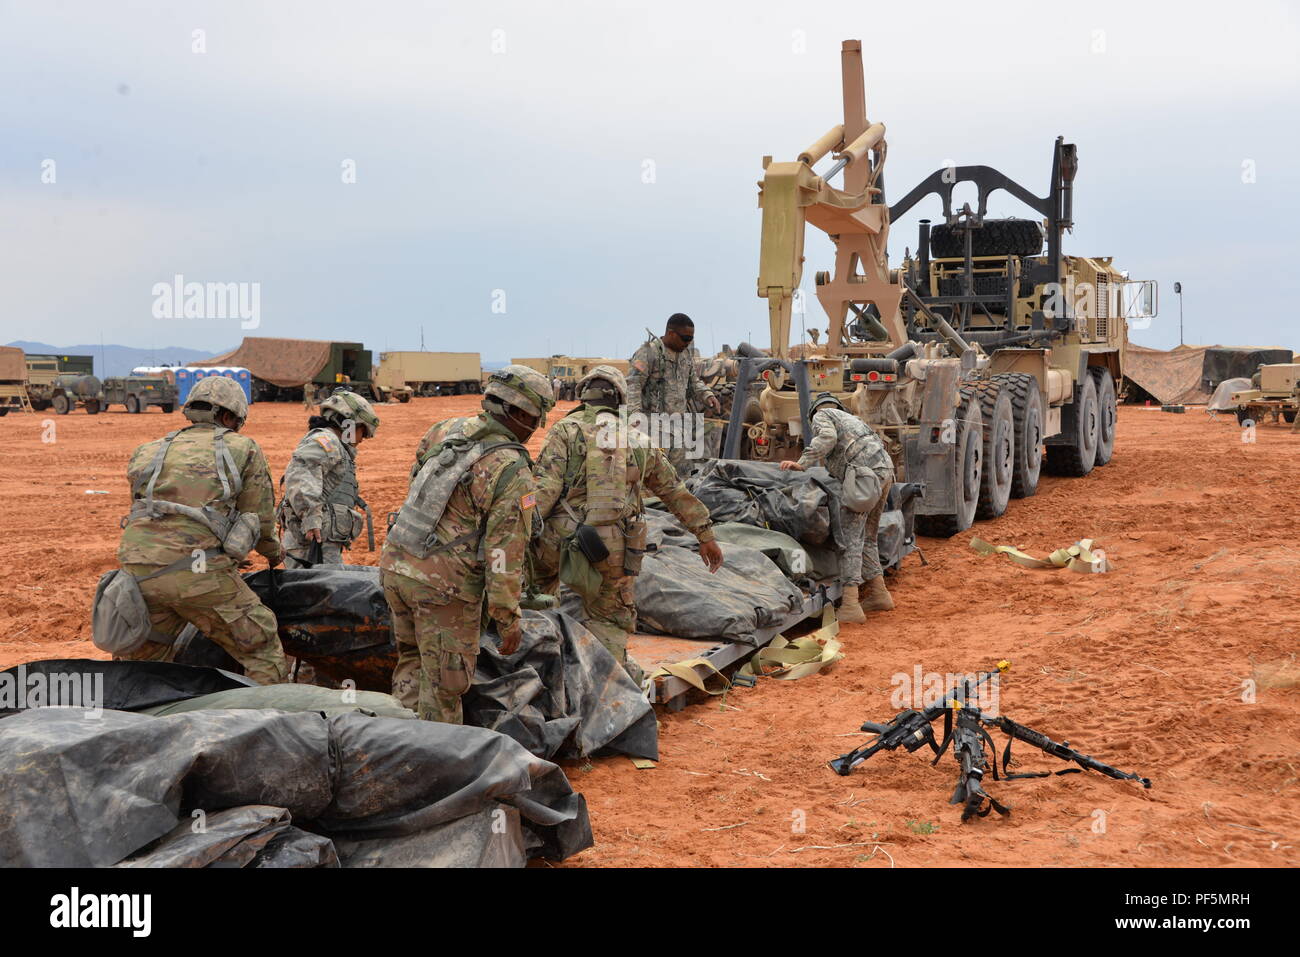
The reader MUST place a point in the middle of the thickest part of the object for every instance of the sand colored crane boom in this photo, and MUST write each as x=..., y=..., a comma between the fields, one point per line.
x=856, y=218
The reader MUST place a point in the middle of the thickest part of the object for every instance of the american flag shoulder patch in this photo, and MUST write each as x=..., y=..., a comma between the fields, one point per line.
x=325, y=443
x=528, y=501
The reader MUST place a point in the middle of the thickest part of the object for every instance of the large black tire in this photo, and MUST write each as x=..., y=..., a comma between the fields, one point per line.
x=999, y=449
x=997, y=237
x=1027, y=411
x=968, y=472
x=40, y=405
x=92, y=407
x=62, y=405
x=1079, y=421
x=168, y=408
x=1289, y=417
x=1107, y=414
x=132, y=404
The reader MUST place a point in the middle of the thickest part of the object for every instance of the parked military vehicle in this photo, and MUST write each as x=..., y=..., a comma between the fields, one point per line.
x=978, y=351
x=13, y=381
x=137, y=393
x=48, y=387
x=349, y=364
x=403, y=374
x=1275, y=393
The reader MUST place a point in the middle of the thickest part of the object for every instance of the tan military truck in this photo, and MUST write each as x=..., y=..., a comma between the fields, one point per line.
x=52, y=385
x=981, y=350
x=428, y=373
x=1275, y=394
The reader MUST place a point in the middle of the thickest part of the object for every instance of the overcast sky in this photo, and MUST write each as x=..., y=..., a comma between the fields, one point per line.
x=501, y=153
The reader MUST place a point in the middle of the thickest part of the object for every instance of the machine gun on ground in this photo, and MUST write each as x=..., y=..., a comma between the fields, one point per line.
x=965, y=728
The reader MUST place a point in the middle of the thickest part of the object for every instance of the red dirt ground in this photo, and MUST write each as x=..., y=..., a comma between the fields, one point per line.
x=1143, y=667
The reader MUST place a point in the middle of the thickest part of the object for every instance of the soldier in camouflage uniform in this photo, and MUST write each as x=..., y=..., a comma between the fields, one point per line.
x=662, y=379
x=841, y=439
x=589, y=474
x=320, y=504
x=460, y=538
x=209, y=466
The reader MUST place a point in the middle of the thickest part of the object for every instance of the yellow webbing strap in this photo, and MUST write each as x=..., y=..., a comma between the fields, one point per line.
x=789, y=660
x=1079, y=557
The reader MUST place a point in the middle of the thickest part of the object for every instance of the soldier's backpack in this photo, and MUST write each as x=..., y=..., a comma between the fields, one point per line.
x=119, y=616
x=237, y=531
x=446, y=465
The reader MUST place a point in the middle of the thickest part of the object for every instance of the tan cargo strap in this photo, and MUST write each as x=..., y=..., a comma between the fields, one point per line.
x=789, y=660
x=1079, y=557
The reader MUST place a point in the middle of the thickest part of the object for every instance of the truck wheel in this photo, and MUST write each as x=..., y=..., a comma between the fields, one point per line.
x=168, y=408
x=999, y=449
x=1079, y=422
x=1289, y=415
x=966, y=475
x=1027, y=411
x=1106, y=414
x=92, y=407
x=61, y=404
x=132, y=404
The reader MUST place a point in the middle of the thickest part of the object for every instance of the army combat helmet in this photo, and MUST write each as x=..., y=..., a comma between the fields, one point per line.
x=346, y=406
x=824, y=398
x=519, y=386
x=220, y=392
x=590, y=388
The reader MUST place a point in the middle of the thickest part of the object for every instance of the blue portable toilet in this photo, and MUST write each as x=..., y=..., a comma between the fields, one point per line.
x=186, y=377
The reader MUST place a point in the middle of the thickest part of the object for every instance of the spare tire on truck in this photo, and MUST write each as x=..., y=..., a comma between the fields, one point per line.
x=997, y=237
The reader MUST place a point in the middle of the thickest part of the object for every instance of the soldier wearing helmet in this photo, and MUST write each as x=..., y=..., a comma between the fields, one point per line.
x=456, y=549
x=842, y=441
x=592, y=474
x=321, y=508
x=199, y=495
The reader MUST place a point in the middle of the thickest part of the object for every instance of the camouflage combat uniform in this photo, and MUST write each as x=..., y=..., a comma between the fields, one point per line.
x=320, y=493
x=437, y=602
x=215, y=599
x=565, y=470
x=841, y=439
x=660, y=380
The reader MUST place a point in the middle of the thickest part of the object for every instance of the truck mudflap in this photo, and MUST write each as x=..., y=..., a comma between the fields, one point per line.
x=930, y=455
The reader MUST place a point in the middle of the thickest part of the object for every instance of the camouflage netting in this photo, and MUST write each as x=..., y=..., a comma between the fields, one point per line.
x=278, y=787
x=283, y=362
x=1188, y=375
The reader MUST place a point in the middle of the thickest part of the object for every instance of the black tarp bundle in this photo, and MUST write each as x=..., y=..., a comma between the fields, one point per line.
x=270, y=787
x=561, y=695
x=677, y=595
x=803, y=505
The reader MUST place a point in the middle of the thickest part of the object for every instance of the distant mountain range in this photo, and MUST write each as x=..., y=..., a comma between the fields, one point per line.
x=113, y=360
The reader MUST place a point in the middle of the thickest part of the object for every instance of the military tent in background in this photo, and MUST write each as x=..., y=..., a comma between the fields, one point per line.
x=1188, y=375
x=282, y=362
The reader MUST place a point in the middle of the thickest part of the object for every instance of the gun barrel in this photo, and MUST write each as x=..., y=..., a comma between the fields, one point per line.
x=1064, y=752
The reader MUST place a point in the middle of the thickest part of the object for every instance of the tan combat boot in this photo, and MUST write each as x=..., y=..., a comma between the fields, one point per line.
x=850, y=610
x=874, y=596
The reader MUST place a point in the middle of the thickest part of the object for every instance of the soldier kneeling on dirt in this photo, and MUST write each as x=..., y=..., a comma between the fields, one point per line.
x=855, y=456
x=201, y=499
x=321, y=509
